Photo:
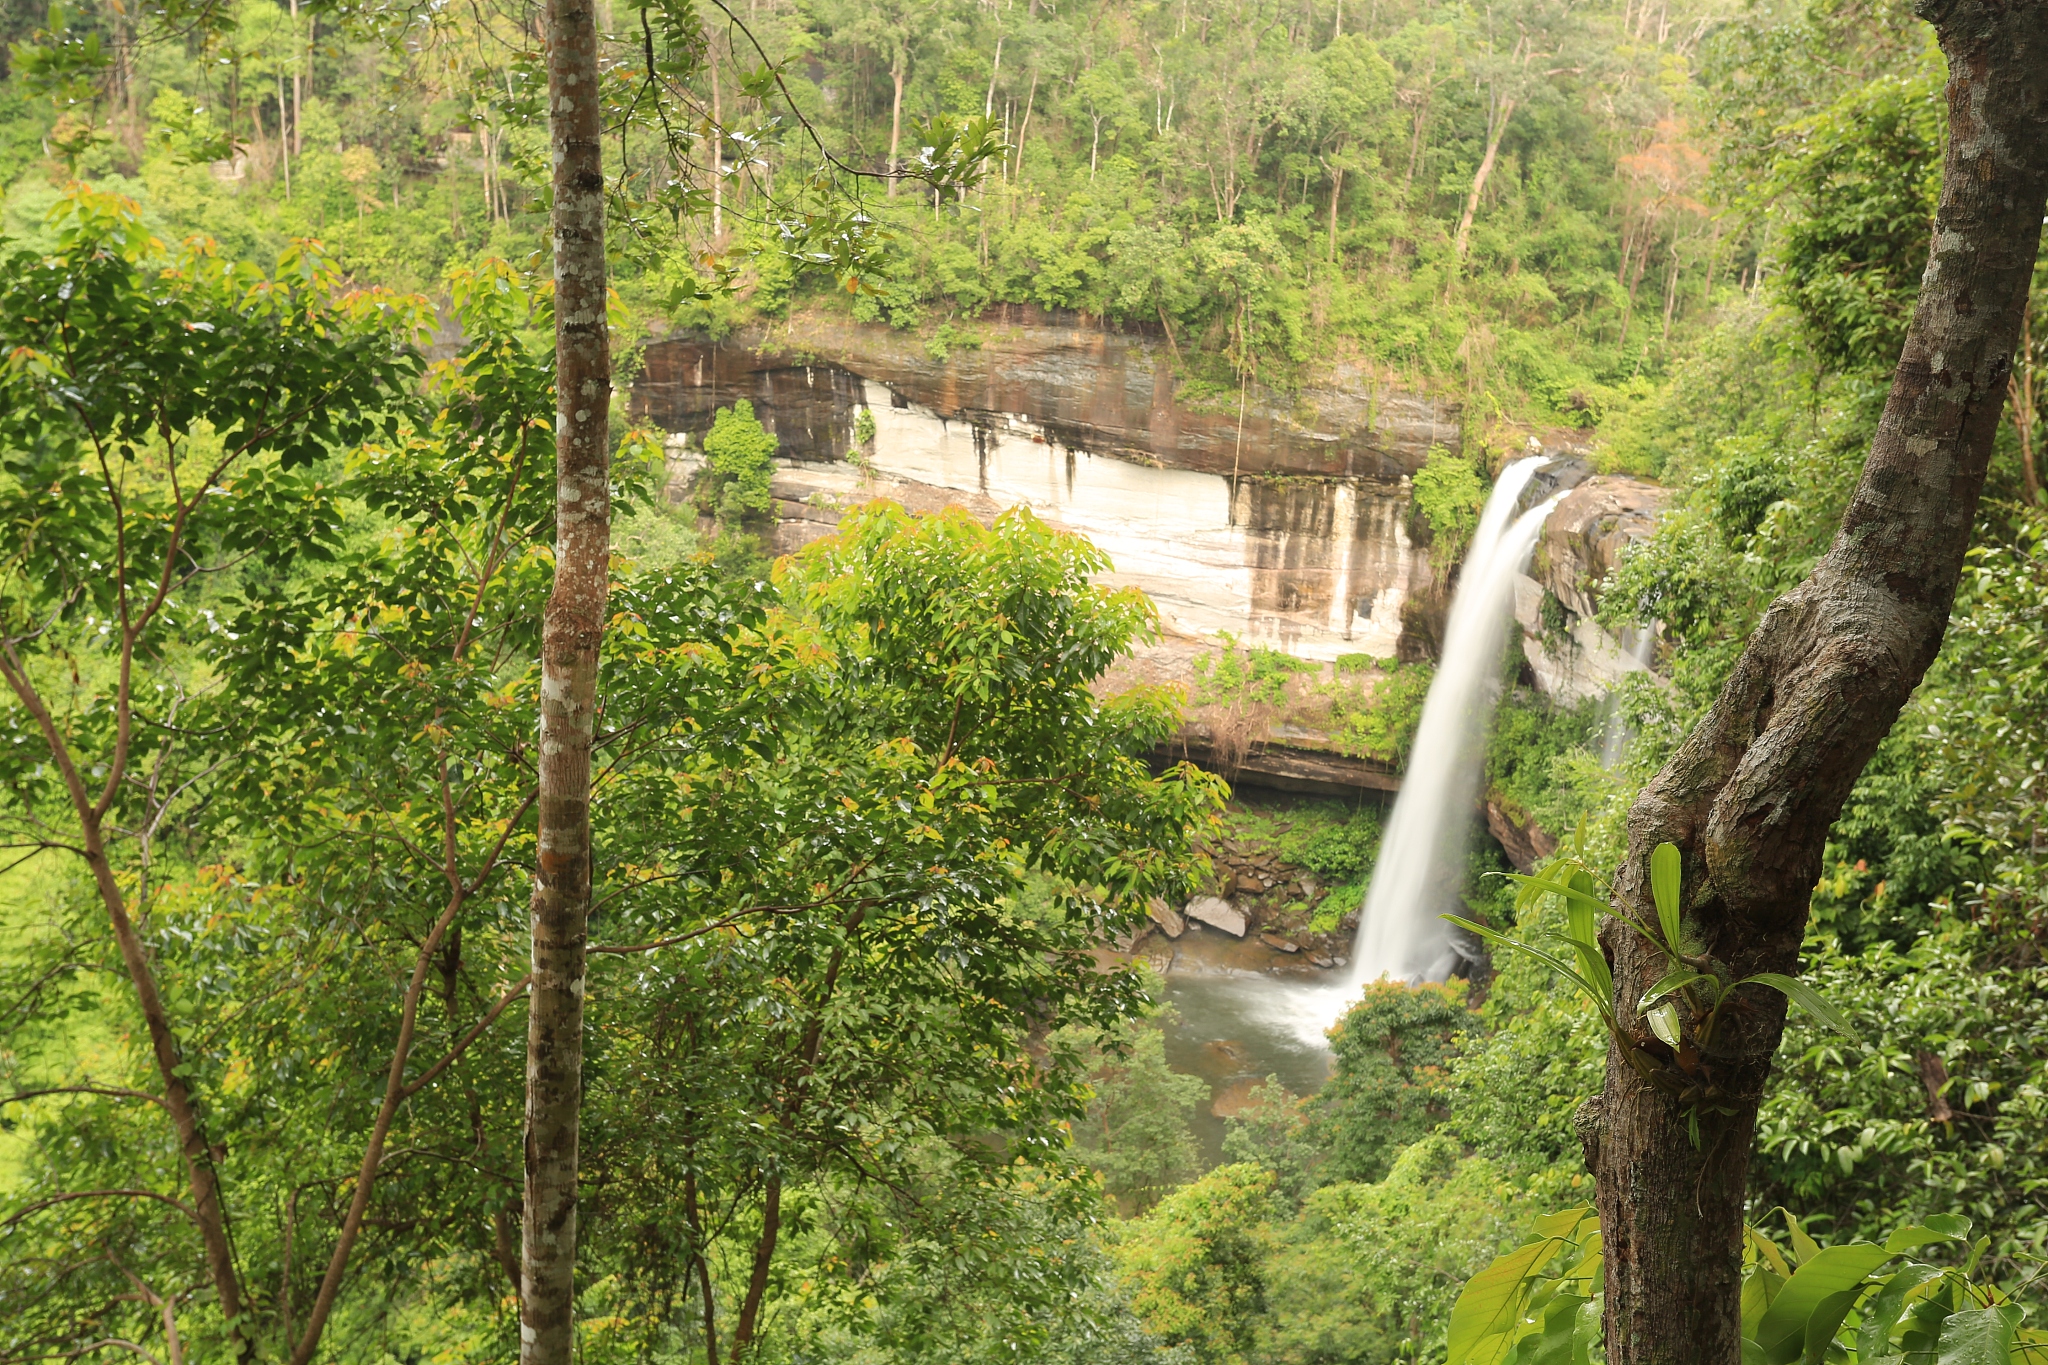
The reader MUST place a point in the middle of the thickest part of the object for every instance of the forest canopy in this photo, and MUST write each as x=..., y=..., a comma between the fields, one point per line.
x=862, y=1081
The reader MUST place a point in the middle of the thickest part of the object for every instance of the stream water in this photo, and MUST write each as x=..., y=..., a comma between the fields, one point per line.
x=1232, y=1027
x=1320, y=566
x=1421, y=863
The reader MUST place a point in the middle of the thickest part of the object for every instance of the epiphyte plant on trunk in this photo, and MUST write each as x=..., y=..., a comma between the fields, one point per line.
x=1683, y=1010
x=1750, y=796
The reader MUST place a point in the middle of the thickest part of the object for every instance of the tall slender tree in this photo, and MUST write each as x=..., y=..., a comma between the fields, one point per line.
x=572, y=632
x=1751, y=794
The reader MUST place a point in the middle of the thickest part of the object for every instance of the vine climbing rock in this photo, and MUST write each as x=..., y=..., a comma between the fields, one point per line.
x=1750, y=796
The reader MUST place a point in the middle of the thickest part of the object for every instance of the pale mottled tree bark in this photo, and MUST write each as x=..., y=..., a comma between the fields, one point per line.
x=1750, y=796
x=572, y=632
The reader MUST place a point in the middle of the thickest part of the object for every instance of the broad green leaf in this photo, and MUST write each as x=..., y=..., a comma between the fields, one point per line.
x=1807, y=998
x=1565, y=1223
x=1882, y=1313
x=1759, y=1287
x=1979, y=1336
x=1950, y=1224
x=1810, y=1296
x=1486, y=1313
x=1587, y=1332
x=1825, y=1322
x=1803, y=1246
x=1977, y=1251
x=1664, y=863
x=1555, y=1340
x=1674, y=980
x=1768, y=1252
x=1916, y=1235
x=1663, y=1021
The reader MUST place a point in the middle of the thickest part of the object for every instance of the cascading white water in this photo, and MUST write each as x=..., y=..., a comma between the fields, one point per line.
x=1421, y=862
x=1614, y=731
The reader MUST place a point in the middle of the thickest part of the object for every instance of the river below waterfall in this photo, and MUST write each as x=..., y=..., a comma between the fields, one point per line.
x=1290, y=529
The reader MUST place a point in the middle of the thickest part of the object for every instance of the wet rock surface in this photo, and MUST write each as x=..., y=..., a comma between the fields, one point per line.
x=1089, y=387
x=1523, y=840
x=1218, y=913
x=1587, y=531
x=1570, y=653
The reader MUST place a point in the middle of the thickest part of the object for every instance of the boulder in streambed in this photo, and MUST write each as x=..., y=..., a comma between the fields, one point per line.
x=1218, y=913
x=1279, y=944
x=1167, y=918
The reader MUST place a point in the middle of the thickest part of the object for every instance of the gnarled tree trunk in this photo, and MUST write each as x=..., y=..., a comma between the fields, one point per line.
x=573, y=629
x=1751, y=794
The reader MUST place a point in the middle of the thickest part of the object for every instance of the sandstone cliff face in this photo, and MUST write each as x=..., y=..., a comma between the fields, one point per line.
x=1297, y=536
x=1570, y=653
x=1586, y=533
x=1082, y=387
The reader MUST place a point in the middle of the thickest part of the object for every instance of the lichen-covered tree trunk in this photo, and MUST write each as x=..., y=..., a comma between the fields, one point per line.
x=1751, y=794
x=572, y=631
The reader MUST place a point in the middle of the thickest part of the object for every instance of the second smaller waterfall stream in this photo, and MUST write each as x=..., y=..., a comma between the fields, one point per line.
x=1401, y=934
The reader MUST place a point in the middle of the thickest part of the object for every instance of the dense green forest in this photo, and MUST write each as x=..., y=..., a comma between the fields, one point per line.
x=275, y=465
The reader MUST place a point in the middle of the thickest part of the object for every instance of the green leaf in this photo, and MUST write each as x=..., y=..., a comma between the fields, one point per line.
x=1769, y=1253
x=1565, y=1223
x=1810, y=1297
x=1759, y=1287
x=1674, y=980
x=1881, y=1315
x=1489, y=1308
x=1664, y=864
x=1916, y=1235
x=1601, y=1002
x=1979, y=1336
x=1556, y=1339
x=1663, y=1022
x=1825, y=1322
x=1807, y=998
x=1804, y=1248
x=1950, y=1224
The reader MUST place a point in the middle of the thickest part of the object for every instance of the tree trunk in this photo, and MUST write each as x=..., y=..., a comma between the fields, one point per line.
x=298, y=85
x=284, y=146
x=1493, y=137
x=718, y=149
x=1023, y=131
x=898, y=70
x=1415, y=141
x=1336, y=189
x=1670, y=292
x=92, y=813
x=745, y=1332
x=1751, y=794
x=571, y=633
x=199, y=1172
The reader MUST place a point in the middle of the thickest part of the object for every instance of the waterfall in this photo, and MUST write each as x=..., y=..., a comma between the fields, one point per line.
x=1614, y=731
x=1422, y=855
